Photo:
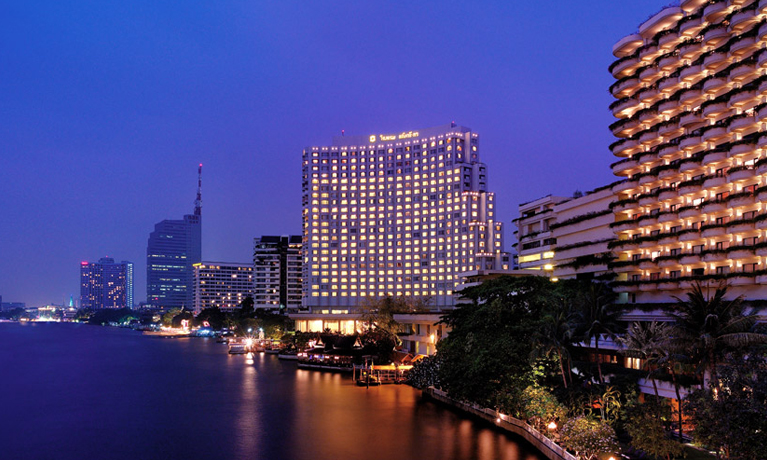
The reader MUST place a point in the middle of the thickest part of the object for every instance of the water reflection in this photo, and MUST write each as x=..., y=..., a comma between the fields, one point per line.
x=189, y=399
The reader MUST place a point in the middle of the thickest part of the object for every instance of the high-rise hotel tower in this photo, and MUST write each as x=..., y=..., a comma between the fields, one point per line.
x=396, y=215
x=691, y=96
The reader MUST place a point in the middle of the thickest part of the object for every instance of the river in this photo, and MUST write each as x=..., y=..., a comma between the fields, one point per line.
x=73, y=391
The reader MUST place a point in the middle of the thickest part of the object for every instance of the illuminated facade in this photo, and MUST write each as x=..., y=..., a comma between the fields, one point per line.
x=535, y=241
x=691, y=103
x=396, y=215
x=221, y=284
x=106, y=284
x=277, y=272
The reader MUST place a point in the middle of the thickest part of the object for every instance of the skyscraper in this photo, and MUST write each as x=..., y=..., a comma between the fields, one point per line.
x=221, y=284
x=106, y=284
x=277, y=272
x=396, y=215
x=172, y=250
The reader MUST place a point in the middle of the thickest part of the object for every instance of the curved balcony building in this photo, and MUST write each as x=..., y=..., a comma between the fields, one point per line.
x=691, y=201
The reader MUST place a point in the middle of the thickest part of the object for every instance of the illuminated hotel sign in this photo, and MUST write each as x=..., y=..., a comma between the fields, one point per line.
x=393, y=137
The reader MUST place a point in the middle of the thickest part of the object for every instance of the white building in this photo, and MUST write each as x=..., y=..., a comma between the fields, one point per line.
x=221, y=284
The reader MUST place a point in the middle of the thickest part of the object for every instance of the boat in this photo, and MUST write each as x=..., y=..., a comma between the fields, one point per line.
x=238, y=349
x=288, y=355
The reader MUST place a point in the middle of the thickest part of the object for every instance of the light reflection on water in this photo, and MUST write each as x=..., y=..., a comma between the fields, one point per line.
x=92, y=392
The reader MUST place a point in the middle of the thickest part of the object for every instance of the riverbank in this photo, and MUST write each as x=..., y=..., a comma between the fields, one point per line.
x=546, y=446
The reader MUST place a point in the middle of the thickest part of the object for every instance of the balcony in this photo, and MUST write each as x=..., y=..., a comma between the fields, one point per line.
x=715, y=181
x=648, y=73
x=715, y=11
x=625, y=185
x=624, y=147
x=742, y=98
x=690, y=96
x=740, y=73
x=689, y=119
x=690, y=143
x=714, y=156
x=741, y=174
x=688, y=166
x=689, y=212
x=743, y=45
x=713, y=206
x=741, y=149
x=648, y=116
x=741, y=124
x=761, y=169
x=622, y=108
x=711, y=232
x=666, y=173
x=625, y=87
x=625, y=225
x=690, y=73
x=624, y=67
x=761, y=115
x=623, y=167
x=715, y=256
x=627, y=45
x=737, y=199
x=646, y=265
x=715, y=109
x=741, y=20
x=622, y=128
x=667, y=151
x=669, y=62
x=763, y=31
x=741, y=279
x=740, y=227
x=663, y=218
x=668, y=85
x=659, y=21
x=686, y=189
x=648, y=137
x=691, y=28
x=740, y=253
x=647, y=95
x=667, y=129
x=714, y=84
x=714, y=133
x=761, y=195
x=646, y=201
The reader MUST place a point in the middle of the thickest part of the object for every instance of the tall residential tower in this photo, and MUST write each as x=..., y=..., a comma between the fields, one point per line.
x=106, y=284
x=172, y=250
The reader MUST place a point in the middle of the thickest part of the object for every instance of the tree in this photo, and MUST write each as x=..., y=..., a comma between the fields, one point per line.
x=541, y=407
x=599, y=317
x=214, y=316
x=708, y=327
x=645, y=341
x=555, y=336
x=378, y=312
x=246, y=309
x=486, y=356
x=731, y=417
x=587, y=437
x=648, y=432
x=167, y=317
x=425, y=373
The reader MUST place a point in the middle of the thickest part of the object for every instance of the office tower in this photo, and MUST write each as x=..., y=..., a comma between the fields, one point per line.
x=396, y=215
x=172, y=250
x=690, y=89
x=221, y=284
x=106, y=284
x=277, y=272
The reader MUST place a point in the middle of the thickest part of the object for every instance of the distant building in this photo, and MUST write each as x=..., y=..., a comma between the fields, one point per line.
x=221, y=284
x=11, y=305
x=172, y=250
x=277, y=272
x=106, y=284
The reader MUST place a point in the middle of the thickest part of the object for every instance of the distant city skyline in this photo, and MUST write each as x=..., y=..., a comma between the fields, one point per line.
x=106, y=110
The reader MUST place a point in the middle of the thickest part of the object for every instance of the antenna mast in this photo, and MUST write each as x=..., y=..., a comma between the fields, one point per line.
x=198, y=201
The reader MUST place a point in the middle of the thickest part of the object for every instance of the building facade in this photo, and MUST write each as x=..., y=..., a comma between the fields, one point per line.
x=106, y=284
x=277, y=272
x=172, y=250
x=395, y=215
x=690, y=95
x=221, y=284
x=535, y=240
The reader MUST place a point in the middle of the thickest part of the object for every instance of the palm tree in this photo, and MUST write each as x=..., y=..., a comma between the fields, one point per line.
x=645, y=341
x=707, y=327
x=599, y=317
x=556, y=336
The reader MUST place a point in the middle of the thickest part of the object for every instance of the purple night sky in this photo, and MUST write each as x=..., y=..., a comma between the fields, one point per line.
x=106, y=108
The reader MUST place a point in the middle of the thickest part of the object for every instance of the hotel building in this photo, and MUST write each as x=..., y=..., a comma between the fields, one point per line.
x=566, y=237
x=277, y=271
x=106, y=284
x=221, y=284
x=394, y=215
x=691, y=103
